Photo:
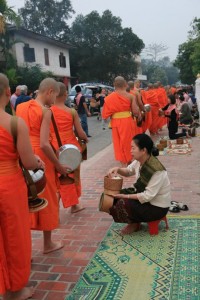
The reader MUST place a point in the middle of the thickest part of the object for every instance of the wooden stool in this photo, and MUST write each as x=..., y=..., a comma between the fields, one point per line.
x=153, y=226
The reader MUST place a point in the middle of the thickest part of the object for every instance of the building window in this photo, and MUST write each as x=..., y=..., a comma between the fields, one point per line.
x=46, y=57
x=29, y=53
x=62, y=60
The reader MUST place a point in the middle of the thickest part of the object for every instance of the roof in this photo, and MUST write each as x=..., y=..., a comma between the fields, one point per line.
x=38, y=36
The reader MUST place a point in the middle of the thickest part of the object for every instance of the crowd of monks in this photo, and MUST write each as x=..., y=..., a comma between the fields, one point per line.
x=126, y=108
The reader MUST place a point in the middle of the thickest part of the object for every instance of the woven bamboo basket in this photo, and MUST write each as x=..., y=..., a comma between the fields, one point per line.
x=113, y=184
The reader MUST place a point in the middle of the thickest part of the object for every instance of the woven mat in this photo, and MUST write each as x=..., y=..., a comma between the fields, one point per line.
x=144, y=267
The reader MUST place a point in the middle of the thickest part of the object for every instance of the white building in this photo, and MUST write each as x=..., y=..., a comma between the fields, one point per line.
x=36, y=49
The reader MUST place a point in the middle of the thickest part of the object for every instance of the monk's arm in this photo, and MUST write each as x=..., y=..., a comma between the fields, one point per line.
x=134, y=106
x=80, y=132
x=24, y=147
x=140, y=104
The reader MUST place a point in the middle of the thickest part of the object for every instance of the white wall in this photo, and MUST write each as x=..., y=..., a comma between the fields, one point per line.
x=54, y=52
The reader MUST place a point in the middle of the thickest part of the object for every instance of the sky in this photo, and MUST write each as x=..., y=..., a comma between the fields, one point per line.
x=154, y=21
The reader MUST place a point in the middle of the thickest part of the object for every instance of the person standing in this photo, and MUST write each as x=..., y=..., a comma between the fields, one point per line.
x=33, y=113
x=15, y=96
x=82, y=109
x=23, y=96
x=121, y=107
x=66, y=121
x=15, y=238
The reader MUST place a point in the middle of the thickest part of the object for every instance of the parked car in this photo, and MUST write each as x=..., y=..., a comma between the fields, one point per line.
x=89, y=90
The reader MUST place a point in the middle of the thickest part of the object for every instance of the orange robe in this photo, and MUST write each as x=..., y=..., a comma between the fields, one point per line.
x=48, y=218
x=163, y=101
x=148, y=116
x=64, y=121
x=15, y=237
x=123, y=129
x=138, y=129
x=152, y=99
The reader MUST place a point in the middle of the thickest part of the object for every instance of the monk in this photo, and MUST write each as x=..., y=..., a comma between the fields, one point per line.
x=146, y=124
x=15, y=238
x=66, y=118
x=135, y=91
x=32, y=112
x=163, y=101
x=152, y=99
x=121, y=107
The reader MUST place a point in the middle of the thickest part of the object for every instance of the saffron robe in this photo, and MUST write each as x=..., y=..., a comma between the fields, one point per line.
x=152, y=99
x=148, y=115
x=15, y=237
x=123, y=129
x=64, y=120
x=48, y=218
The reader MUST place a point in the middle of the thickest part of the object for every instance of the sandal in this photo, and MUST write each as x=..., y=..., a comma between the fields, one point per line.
x=180, y=205
x=174, y=208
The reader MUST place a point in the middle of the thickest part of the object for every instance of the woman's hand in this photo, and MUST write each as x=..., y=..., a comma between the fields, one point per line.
x=113, y=172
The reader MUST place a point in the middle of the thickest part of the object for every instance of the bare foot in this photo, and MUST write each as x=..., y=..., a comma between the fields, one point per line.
x=76, y=208
x=23, y=294
x=130, y=228
x=53, y=246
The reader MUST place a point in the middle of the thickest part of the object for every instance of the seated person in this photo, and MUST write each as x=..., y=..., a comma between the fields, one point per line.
x=185, y=116
x=149, y=198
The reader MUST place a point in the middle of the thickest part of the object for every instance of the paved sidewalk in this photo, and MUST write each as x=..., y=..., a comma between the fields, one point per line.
x=55, y=274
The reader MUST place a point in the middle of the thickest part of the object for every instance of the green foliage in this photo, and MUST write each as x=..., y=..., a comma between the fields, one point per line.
x=162, y=70
x=13, y=77
x=7, y=14
x=47, y=17
x=188, y=58
x=32, y=76
x=103, y=49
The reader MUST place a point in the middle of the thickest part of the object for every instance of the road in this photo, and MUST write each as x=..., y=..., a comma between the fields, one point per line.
x=100, y=138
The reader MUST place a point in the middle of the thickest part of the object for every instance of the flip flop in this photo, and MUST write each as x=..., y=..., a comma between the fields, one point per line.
x=180, y=205
x=174, y=208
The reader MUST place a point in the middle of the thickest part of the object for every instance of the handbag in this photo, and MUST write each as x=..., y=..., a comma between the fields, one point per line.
x=34, y=188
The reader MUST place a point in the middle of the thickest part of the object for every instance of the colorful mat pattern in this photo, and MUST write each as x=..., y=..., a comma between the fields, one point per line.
x=176, y=149
x=144, y=267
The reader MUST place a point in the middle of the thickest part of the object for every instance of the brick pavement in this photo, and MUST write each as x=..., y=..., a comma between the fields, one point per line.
x=54, y=275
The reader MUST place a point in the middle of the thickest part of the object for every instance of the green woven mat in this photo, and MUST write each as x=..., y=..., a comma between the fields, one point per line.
x=144, y=267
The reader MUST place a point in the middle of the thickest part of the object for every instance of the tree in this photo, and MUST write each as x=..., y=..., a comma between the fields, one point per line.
x=103, y=49
x=188, y=58
x=163, y=68
x=184, y=63
x=31, y=76
x=47, y=17
x=154, y=51
x=7, y=14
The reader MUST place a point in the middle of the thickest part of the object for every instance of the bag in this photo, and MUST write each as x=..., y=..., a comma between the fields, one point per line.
x=34, y=187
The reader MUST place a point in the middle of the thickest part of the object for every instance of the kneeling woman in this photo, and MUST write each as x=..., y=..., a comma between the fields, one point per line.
x=149, y=199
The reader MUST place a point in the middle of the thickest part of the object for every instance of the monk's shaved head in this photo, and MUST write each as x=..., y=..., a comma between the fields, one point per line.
x=150, y=85
x=63, y=89
x=47, y=84
x=131, y=84
x=4, y=83
x=119, y=82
